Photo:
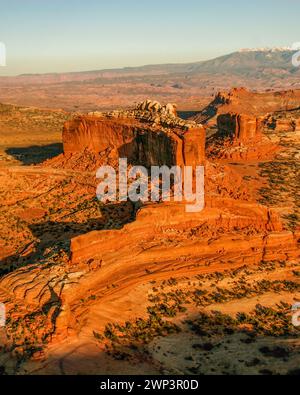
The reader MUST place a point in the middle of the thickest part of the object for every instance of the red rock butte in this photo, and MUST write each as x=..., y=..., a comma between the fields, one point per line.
x=240, y=127
x=149, y=135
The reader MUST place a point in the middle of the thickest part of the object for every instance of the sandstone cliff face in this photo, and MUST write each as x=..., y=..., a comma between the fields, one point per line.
x=150, y=135
x=120, y=138
x=240, y=127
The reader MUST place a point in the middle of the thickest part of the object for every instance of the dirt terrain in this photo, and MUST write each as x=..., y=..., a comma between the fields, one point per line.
x=29, y=135
x=126, y=288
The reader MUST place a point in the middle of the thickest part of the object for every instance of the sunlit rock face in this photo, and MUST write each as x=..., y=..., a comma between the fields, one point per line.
x=240, y=127
x=148, y=135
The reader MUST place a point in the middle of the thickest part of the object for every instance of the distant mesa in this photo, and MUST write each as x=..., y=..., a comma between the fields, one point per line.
x=241, y=100
x=240, y=120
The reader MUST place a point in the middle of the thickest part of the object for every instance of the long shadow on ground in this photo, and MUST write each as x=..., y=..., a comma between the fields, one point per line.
x=35, y=154
x=55, y=237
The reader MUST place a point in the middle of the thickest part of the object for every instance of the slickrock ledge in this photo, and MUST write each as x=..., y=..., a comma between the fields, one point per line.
x=263, y=237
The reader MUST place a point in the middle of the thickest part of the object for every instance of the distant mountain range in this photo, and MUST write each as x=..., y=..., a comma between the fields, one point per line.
x=256, y=69
x=241, y=62
x=255, y=63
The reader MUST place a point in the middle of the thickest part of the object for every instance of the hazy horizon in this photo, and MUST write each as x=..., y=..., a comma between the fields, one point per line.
x=72, y=36
x=112, y=67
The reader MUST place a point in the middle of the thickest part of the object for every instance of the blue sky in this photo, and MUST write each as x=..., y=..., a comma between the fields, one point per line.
x=75, y=35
